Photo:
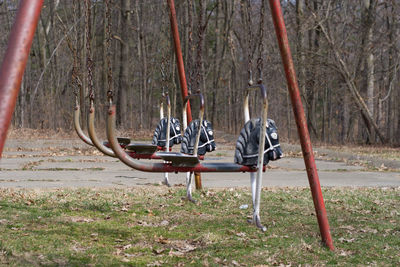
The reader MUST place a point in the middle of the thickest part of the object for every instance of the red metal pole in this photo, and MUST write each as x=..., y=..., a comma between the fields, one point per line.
x=301, y=123
x=181, y=69
x=178, y=54
x=14, y=62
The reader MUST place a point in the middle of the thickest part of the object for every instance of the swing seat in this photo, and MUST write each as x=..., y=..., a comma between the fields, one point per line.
x=142, y=148
x=179, y=159
x=122, y=141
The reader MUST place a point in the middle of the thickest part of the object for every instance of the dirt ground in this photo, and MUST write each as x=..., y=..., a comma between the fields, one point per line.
x=66, y=162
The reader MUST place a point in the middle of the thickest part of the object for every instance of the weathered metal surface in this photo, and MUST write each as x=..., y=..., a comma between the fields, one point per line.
x=165, y=167
x=78, y=128
x=142, y=148
x=121, y=141
x=93, y=136
x=14, y=62
x=263, y=91
x=136, y=155
x=179, y=159
x=197, y=181
x=181, y=68
x=168, y=101
x=124, y=140
x=256, y=191
x=301, y=122
x=178, y=54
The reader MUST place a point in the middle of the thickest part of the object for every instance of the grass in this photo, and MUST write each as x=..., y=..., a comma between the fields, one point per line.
x=154, y=226
x=383, y=152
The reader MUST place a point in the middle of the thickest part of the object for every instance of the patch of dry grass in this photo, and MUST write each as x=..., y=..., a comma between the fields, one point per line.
x=155, y=226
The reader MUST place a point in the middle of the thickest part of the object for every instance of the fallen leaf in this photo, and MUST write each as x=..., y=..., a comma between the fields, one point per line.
x=127, y=247
x=343, y=240
x=235, y=263
x=158, y=251
x=164, y=223
x=156, y=263
x=162, y=240
x=241, y=234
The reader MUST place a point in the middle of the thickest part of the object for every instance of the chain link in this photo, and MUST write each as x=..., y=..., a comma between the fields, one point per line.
x=199, y=59
x=261, y=43
x=245, y=9
x=246, y=18
x=110, y=91
x=163, y=76
x=75, y=77
x=76, y=81
x=89, y=61
x=191, y=48
x=165, y=61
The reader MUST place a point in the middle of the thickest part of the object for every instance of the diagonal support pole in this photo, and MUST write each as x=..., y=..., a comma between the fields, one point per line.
x=301, y=123
x=181, y=70
x=14, y=62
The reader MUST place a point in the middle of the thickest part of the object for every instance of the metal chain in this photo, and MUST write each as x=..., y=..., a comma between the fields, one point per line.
x=110, y=91
x=163, y=76
x=164, y=58
x=89, y=61
x=76, y=81
x=246, y=18
x=261, y=43
x=190, y=44
x=200, y=35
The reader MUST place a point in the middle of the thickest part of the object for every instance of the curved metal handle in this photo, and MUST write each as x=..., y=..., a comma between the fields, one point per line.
x=77, y=125
x=263, y=91
x=261, y=142
x=168, y=102
x=92, y=134
x=164, y=96
x=201, y=115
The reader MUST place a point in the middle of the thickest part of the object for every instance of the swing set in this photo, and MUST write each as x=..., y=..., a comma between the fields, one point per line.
x=13, y=67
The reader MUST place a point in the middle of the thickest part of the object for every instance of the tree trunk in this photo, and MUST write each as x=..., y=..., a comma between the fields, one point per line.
x=351, y=85
x=124, y=62
x=369, y=10
x=300, y=47
x=215, y=68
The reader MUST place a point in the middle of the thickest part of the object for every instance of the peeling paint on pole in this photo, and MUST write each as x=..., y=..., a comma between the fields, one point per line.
x=301, y=123
x=14, y=61
x=181, y=69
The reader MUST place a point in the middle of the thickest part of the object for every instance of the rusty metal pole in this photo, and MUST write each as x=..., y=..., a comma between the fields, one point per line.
x=14, y=62
x=301, y=123
x=181, y=70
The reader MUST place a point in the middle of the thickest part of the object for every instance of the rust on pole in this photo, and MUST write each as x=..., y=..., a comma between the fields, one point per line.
x=178, y=55
x=301, y=123
x=14, y=61
x=181, y=69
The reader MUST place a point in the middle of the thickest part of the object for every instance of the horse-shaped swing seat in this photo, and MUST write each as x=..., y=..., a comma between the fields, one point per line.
x=139, y=150
x=186, y=158
x=143, y=150
x=246, y=152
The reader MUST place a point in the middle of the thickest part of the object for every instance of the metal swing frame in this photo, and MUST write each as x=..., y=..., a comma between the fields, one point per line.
x=179, y=162
x=16, y=56
x=77, y=125
x=136, y=150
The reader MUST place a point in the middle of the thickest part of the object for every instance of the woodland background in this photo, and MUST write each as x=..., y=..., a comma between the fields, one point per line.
x=346, y=55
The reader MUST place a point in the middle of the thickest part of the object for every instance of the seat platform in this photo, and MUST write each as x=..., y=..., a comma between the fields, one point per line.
x=122, y=141
x=142, y=148
x=179, y=159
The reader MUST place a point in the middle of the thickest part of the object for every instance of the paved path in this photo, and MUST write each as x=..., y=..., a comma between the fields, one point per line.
x=69, y=163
